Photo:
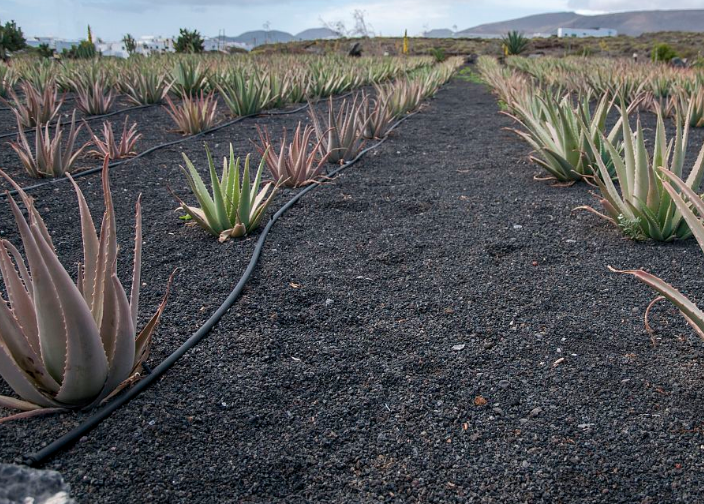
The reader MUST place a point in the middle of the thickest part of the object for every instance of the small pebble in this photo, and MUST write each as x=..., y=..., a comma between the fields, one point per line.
x=536, y=411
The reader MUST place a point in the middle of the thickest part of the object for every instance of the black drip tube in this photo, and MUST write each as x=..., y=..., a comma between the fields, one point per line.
x=39, y=457
x=86, y=119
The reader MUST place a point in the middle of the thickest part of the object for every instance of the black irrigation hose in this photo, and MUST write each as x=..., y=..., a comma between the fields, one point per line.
x=87, y=118
x=161, y=146
x=66, y=100
x=37, y=458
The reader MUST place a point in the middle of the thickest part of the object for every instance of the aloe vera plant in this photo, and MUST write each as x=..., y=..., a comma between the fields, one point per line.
x=189, y=78
x=377, y=116
x=66, y=345
x=109, y=146
x=691, y=208
x=193, y=114
x=39, y=107
x=644, y=207
x=567, y=139
x=94, y=97
x=50, y=158
x=236, y=206
x=295, y=164
x=145, y=86
x=342, y=137
x=243, y=95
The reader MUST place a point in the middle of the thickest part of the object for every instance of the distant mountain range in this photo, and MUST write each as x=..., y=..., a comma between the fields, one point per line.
x=259, y=37
x=626, y=23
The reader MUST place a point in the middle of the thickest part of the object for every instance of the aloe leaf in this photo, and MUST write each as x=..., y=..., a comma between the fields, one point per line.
x=136, y=262
x=91, y=245
x=20, y=300
x=693, y=315
x=121, y=362
x=218, y=201
x=200, y=192
x=693, y=221
x=144, y=338
x=52, y=335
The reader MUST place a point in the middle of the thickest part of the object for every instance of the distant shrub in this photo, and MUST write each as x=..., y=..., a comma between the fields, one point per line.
x=189, y=42
x=44, y=51
x=84, y=50
x=514, y=43
x=663, y=52
x=439, y=54
x=11, y=38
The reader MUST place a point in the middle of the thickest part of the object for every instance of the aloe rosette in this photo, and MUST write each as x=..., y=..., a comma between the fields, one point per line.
x=236, y=206
x=66, y=345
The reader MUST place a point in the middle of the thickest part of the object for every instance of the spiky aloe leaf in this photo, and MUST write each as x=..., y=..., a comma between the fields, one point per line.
x=693, y=315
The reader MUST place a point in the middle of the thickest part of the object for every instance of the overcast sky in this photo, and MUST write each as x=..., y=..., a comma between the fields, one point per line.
x=110, y=19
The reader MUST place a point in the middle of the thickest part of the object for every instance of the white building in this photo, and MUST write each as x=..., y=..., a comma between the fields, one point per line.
x=58, y=44
x=116, y=49
x=150, y=43
x=586, y=32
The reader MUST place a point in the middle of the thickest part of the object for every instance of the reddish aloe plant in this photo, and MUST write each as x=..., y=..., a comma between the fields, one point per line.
x=109, y=146
x=66, y=345
x=294, y=164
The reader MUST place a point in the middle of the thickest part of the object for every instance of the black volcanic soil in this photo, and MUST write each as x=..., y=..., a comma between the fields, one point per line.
x=432, y=326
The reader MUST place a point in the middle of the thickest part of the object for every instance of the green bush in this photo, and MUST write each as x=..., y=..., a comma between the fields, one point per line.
x=84, y=50
x=439, y=54
x=45, y=51
x=188, y=42
x=663, y=52
x=11, y=39
x=514, y=43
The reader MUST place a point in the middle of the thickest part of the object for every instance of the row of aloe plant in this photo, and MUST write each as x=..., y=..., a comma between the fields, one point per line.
x=289, y=78
x=643, y=191
x=68, y=345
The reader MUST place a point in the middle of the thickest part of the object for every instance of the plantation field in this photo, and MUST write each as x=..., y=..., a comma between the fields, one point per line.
x=433, y=320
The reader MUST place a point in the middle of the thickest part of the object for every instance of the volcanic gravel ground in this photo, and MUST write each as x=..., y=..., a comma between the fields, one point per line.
x=432, y=326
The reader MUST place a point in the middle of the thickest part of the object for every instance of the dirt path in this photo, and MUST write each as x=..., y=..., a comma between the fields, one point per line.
x=434, y=326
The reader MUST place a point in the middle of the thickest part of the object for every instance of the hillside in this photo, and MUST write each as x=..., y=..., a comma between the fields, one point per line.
x=626, y=23
x=316, y=34
x=258, y=37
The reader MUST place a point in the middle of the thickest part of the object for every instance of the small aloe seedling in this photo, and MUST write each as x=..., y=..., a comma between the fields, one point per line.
x=236, y=206
x=66, y=345
x=295, y=164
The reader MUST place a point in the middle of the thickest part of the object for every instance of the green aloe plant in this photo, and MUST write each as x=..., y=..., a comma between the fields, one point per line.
x=66, y=345
x=236, y=207
x=567, y=138
x=644, y=207
x=245, y=95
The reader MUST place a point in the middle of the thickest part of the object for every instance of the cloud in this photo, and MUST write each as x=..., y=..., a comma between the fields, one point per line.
x=139, y=6
x=628, y=5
